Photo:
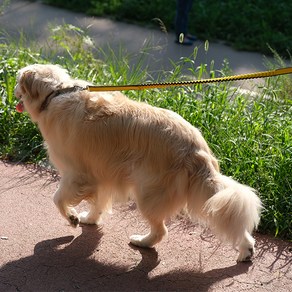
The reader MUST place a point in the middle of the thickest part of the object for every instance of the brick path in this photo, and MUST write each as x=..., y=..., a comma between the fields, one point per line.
x=41, y=252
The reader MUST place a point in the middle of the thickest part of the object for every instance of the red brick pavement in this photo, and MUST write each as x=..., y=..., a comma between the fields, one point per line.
x=39, y=251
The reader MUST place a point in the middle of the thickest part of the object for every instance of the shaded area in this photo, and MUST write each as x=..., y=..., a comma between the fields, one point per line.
x=68, y=263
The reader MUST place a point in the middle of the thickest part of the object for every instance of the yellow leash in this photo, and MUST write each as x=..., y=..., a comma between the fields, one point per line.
x=262, y=74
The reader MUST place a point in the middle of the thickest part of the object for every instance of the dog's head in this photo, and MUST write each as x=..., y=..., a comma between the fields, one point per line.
x=35, y=83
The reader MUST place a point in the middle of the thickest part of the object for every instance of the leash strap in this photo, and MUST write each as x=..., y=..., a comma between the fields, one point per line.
x=263, y=74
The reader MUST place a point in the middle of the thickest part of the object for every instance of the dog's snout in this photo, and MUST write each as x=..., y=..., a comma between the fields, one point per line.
x=17, y=92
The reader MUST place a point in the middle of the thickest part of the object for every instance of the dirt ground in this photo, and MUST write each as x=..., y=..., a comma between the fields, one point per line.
x=41, y=252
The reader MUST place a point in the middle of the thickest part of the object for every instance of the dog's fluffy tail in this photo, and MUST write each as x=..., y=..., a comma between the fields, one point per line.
x=233, y=210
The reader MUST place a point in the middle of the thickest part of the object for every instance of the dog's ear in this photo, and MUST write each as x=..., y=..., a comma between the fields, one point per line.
x=27, y=85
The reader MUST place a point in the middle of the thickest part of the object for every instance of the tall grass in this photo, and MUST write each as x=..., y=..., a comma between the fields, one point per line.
x=250, y=135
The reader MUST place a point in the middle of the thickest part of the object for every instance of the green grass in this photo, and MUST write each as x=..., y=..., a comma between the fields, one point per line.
x=246, y=25
x=251, y=136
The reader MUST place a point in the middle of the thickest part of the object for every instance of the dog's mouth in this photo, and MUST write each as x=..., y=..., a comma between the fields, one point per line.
x=20, y=107
x=18, y=95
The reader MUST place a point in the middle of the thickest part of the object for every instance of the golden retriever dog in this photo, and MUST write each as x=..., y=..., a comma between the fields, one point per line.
x=106, y=146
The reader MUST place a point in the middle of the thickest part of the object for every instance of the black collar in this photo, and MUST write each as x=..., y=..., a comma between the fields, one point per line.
x=58, y=92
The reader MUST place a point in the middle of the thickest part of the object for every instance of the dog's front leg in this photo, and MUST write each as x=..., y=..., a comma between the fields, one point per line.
x=99, y=200
x=66, y=197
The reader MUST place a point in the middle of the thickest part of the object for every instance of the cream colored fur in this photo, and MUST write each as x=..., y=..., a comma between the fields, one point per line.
x=106, y=145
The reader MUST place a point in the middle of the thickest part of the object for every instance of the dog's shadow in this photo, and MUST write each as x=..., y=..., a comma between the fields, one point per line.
x=67, y=264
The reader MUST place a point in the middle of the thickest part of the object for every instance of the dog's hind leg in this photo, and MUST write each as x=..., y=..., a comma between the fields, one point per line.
x=157, y=231
x=151, y=207
x=246, y=248
x=158, y=199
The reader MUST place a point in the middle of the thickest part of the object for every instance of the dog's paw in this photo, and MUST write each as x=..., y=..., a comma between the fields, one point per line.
x=74, y=220
x=139, y=240
x=85, y=218
x=246, y=255
x=143, y=240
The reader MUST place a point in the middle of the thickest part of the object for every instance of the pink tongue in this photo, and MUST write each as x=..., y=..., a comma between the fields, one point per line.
x=19, y=107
